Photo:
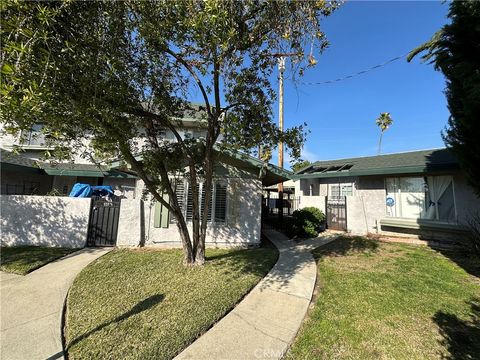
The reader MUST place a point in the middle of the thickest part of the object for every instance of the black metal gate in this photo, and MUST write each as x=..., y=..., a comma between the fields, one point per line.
x=337, y=213
x=103, y=222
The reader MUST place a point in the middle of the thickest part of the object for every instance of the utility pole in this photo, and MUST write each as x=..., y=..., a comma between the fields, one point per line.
x=281, y=70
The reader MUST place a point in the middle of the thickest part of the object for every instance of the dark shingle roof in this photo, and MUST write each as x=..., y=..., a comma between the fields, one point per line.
x=424, y=161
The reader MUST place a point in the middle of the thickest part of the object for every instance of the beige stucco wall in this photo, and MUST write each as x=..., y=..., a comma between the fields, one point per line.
x=44, y=220
x=242, y=226
x=367, y=205
x=129, y=223
x=363, y=209
x=315, y=201
x=243, y=219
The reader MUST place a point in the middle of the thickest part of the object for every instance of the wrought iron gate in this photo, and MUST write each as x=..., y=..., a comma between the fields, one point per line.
x=103, y=222
x=337, y=213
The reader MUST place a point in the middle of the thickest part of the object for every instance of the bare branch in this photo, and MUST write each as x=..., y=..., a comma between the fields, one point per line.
x=194, y=75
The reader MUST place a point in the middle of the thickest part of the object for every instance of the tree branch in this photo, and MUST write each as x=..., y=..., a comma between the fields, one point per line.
x=194, y=75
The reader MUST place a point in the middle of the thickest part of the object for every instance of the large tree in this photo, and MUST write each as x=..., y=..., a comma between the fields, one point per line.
x=120, y=73
x=455, y=51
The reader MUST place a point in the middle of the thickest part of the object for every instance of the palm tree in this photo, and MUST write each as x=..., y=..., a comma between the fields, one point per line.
x=384, y=121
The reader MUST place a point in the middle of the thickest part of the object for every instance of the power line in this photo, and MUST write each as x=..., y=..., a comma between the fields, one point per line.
x=357, y=73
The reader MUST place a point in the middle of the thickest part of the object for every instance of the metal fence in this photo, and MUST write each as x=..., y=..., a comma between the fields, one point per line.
x=277, y=212
x=287, y=205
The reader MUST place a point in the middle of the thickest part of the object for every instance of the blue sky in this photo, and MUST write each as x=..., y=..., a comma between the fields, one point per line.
x=341, y=116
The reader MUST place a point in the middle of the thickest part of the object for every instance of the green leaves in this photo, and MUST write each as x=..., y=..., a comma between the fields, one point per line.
x=7, y=69
x=116, y=75
x=455, y=51
x=384, y=121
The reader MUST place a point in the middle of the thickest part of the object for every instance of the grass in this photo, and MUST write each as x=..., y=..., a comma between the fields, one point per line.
x=144, y=304
x=390, y=301
x=24, y=259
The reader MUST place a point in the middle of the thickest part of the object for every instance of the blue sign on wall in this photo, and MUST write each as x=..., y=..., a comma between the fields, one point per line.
x=390, y=201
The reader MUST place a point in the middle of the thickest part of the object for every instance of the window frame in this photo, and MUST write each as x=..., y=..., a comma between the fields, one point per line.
x=331, y=185
x=214, y=194
x=396, y=180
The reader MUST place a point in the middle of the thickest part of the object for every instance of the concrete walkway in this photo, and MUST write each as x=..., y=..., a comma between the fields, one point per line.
x=264, y=324
x=32, y=306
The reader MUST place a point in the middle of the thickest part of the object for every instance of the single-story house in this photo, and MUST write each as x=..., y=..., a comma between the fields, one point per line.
x=236, y=206
x=423, y=193
x=234, y=219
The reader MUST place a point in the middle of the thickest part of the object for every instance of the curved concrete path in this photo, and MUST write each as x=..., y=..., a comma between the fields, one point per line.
x=266, y=321
x=32, y=307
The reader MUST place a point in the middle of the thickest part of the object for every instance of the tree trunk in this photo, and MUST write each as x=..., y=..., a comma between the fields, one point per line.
x=380, y=143
x=173, y=206
x=195, y=209
x=207, y=185
x=209, y=164
x=189, y=256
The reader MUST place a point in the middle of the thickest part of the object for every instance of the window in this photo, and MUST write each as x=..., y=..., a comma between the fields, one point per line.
x=218, y=201
x=334, y=190
x=346, y=189
x=429, y=197
x=180, y=193
x=27, y=188
x=408, y=194
x=340, y=190
x=34, y=136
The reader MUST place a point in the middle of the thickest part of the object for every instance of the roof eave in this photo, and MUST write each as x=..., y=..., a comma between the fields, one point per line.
x=382, y=171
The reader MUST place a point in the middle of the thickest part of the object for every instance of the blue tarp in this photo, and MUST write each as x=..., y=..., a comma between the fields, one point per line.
x=85, y=190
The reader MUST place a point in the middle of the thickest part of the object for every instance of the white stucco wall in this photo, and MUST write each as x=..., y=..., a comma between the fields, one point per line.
x=44, y=220
x=315, y=201
x=367, y=205
x=243, y=219
x=242, y=226
x=129, y=223
x=363, y=209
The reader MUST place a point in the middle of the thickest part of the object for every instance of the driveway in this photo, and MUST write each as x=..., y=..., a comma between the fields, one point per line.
x=32, y=307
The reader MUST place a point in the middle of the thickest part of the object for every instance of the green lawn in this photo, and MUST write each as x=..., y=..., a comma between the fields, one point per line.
x=390, y=301
x=24, y=259
x=144, y=304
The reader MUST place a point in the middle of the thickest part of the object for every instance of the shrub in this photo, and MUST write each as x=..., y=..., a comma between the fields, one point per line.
x=305, y=223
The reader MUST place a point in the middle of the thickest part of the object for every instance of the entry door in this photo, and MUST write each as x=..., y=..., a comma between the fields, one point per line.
x=103, y=224
x=337, y=213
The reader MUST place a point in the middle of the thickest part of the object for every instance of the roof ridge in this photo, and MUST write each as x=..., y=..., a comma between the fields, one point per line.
x=381, y=155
